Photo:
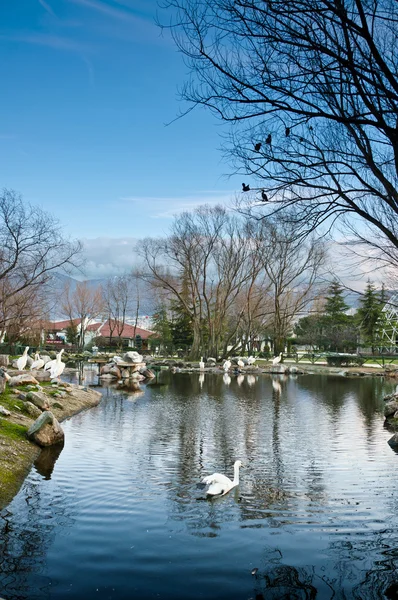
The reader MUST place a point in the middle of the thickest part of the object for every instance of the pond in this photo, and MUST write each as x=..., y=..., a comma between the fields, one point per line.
x=119, y=515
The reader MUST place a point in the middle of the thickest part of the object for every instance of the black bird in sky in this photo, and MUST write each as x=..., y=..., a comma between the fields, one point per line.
x=287, y=131
x=264, y=196
x=245, y=188
x=257, y=147
x=269, y=139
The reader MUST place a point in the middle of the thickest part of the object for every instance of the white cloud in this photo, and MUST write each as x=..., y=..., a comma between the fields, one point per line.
x=167, y=207
x=105, y=257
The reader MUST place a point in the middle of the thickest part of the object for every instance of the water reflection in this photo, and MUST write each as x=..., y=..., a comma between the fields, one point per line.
x=315, y=511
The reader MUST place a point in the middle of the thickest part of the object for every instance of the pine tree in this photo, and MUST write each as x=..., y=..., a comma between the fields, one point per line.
x=162, y=328
x=368, y=315
x=339, y=333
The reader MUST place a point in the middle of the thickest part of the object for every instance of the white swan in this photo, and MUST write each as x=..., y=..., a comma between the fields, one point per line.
x=251, y=360
x=219, y=485
x=58, y=368
x=38, y=363
x=201, y=364
x=227, y=365
x=277, y=359
x=22, y=360
x=241, y=364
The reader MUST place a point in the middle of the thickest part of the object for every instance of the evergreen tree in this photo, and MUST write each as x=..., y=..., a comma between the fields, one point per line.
x=368, y=315
x=162, y=328
x=339, y=332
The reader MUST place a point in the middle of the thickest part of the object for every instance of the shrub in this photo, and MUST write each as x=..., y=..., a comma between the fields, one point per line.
x=345, y=361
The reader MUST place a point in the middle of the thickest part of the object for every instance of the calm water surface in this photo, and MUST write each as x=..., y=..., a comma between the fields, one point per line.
x=120, y=516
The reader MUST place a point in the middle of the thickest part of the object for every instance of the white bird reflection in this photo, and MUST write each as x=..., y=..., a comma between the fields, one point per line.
x=226, y=379
x=201, y=380
x=251, y=380
x=276, y=386
x=240, y=379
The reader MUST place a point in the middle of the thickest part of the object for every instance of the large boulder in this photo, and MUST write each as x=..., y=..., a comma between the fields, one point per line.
x=29, y=362
x=45, y=357
x=132, y=357
x=24, y=379
x=39, y=399
x=106, y=369
x=46, y=431
x=41, y=375
x=390, y=408
x=115, y=371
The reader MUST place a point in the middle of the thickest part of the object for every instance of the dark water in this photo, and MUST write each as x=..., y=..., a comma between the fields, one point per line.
x=121, y=516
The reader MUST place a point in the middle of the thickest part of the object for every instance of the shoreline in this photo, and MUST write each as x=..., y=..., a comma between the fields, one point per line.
x=17, y=453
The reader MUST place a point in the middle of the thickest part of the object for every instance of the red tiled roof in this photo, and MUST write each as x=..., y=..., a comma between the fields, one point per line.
x=59, y=325
x=93, y=327
x=128, y=330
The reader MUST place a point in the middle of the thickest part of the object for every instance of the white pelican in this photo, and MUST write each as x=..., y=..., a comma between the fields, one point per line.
x=219, y=485
x=22, y=360
x=251, y=360
x=227, y=365
x=38, y=363
x=49, y=365
x=241, y=364
x=201, y=364
x=58, y=368
x=277, y=359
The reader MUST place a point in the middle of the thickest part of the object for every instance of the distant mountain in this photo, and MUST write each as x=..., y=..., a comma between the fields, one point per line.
x=59, y=280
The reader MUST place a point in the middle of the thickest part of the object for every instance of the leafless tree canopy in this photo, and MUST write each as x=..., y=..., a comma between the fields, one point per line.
x=233, y=277
x=315, y=82
x=31, y=245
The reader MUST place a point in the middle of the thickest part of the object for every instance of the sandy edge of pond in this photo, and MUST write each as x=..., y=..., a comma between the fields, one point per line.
x=18, y=454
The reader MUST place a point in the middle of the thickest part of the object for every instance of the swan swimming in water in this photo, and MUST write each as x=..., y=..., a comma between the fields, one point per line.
x=219, y=485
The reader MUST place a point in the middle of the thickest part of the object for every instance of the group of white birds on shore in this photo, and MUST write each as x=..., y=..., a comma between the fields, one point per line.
x=56, y=366
x=240, y=363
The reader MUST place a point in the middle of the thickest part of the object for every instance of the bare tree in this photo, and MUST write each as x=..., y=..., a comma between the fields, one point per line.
x=294, y=270
x=32, y=245
x=203, y=264
x=311, y=89
x=84, y=304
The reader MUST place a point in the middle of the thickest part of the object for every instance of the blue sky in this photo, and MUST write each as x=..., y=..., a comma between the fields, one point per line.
x=87, y=88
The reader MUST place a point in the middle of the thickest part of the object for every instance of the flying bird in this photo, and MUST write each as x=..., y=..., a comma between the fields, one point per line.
x=257, y=147
x=245, y=188
x=269, y=139
x=264, y=196
x=287, y=131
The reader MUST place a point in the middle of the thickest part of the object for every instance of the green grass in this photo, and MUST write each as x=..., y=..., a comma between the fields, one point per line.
x=9, y=401
x=12, y=430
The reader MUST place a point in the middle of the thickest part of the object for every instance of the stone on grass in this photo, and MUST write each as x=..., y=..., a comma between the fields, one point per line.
x=4, y=411
x=132, y=357
x=39, y=399
x=46, y=430
x=33, y=410
x=22, y=380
